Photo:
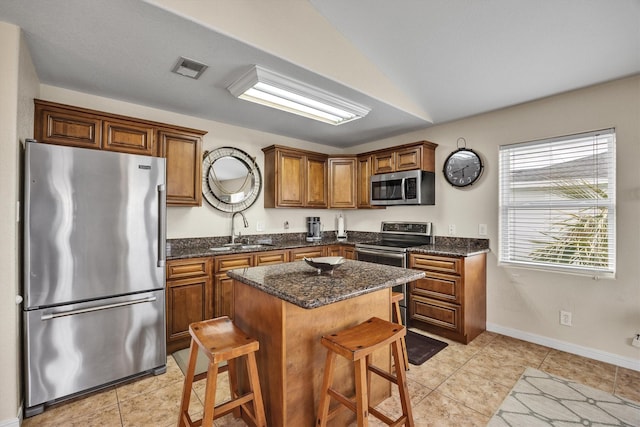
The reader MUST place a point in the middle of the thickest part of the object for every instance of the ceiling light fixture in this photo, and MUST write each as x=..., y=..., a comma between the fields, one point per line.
x=277, y=91
x=189, y=68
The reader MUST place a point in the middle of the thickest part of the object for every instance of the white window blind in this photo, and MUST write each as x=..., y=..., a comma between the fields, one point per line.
x=557, y=203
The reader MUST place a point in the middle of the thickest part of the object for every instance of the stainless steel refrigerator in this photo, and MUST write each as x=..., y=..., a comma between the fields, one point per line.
x=94, y=270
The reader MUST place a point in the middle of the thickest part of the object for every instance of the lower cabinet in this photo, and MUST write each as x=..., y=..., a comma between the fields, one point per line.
x=310, y=252
x=451, y=299
x=348, y=252
x=223, y=285
x=189, y=298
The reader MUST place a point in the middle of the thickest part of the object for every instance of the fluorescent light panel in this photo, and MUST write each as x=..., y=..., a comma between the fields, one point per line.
x=283, y=93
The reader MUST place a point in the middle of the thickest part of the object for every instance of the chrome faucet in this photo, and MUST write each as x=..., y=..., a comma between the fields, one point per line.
x=233, y=234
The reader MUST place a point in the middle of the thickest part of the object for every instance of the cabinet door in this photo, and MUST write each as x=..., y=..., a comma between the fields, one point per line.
x=409, y=159
x=364, y=182
x=316, y=182
x=188, y=300
x=290, y=176
x=349, y=252
x=384, y=162
x=183, y=152
x=66, y=127
x=334, y=250
x=128, y=137
x=224, y=296
x=342, y=183
x=314, y=252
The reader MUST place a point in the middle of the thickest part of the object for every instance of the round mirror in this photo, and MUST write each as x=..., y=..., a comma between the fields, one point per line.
x=231, y=179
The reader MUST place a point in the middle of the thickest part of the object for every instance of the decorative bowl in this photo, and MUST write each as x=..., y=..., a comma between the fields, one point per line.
x=327, y=263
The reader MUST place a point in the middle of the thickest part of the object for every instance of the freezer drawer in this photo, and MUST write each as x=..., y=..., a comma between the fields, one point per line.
x=73, y=348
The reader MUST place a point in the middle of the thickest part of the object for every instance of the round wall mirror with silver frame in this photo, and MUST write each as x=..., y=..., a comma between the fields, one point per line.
x=231, y=179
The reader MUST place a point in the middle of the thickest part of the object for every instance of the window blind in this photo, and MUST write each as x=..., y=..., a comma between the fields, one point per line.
x=557, y=203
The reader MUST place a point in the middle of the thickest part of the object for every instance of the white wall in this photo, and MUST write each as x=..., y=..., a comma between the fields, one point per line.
x=18, y=86
x=526, y=303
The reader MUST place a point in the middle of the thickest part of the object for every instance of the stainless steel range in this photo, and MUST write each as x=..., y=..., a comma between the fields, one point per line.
x=391, y=248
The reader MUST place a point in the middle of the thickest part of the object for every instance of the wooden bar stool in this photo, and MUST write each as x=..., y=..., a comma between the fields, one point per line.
x=220, y=340
x=396, y=297
x=357, y=344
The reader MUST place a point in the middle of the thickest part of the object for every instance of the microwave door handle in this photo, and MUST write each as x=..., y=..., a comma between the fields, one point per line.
x=402, y=186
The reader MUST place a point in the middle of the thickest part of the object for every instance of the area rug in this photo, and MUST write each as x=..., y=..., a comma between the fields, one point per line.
x=541, y=399
x=182, y=359
x=421, y=348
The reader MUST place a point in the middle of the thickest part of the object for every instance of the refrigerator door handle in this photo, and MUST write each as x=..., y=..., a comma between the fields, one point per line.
x=162, y=224
x=96, y=308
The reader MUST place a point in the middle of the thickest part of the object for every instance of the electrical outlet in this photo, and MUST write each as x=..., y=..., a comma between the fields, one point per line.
x=452, y=229
x=636, y=341
x=565, y=318
x=482, y=229
x=259, y=225
x=286, y=225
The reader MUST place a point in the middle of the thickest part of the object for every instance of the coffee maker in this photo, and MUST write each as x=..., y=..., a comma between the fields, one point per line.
x=314, y=229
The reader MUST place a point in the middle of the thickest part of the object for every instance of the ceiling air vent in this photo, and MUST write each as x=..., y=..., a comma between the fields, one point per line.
x=189, y=68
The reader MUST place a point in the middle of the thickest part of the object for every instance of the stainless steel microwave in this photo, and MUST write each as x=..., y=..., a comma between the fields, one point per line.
x=414, y=187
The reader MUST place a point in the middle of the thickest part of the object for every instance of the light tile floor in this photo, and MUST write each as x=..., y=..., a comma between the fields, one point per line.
x=462, y=385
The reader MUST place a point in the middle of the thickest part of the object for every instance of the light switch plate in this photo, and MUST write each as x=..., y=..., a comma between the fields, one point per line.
x=482, y=229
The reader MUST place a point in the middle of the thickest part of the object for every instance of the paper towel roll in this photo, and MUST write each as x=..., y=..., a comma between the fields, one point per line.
x=340, y=226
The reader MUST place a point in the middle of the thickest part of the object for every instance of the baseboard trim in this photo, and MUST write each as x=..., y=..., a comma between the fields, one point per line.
x=12, y=422
x=591, y=353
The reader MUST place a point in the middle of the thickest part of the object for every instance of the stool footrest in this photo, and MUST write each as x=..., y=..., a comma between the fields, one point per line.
x=384, y=374
x=227, y=407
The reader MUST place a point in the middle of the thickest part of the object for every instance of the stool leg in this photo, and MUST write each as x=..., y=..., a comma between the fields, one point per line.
x=398, y=314
x=362, y=393
x=403, y=388
x=188, y=384
x=233, y=384
x=254, y=382
x=210, y=395
x=325, y=399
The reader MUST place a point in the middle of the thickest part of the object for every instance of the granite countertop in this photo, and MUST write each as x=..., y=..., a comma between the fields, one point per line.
x=200, y=247
x=300, y=284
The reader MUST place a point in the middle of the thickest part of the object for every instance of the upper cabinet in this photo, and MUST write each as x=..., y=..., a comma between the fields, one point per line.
x=80, y=127
x=343, y=182
x=294, y=178
x=418, y=155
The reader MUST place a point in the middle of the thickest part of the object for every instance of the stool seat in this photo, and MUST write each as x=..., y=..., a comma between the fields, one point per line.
x=222, y=341
x=358, y=344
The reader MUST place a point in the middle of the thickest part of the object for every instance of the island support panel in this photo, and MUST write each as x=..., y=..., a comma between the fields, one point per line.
x=291, y=358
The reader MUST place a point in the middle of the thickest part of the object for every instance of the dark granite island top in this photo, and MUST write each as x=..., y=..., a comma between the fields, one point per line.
x=300, y=284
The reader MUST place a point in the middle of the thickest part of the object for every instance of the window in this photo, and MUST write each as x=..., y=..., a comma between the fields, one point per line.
x=557, y=203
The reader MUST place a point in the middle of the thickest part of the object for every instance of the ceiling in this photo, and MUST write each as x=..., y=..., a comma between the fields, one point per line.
x=414, y=62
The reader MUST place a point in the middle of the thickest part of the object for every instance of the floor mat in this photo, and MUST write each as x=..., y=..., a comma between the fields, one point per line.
x=421, y=348
x=182, y=359
x=541, y=399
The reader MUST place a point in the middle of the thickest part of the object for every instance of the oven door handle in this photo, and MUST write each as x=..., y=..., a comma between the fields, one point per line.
x=399, y=255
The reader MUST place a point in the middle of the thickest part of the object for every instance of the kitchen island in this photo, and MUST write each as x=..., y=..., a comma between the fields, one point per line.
x=289, y=307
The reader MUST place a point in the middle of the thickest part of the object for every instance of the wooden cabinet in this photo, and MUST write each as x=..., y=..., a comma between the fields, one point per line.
x=223, y=285
x=183, y=151
x=451, y=299
x=309, y=252
x=294, y=178
x=189, y=298
x=80, y=127
x=343, y=182
x=271, y=257
x=418, y=155
x=348, y=252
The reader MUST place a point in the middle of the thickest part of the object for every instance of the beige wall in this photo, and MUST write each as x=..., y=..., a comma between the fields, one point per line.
x=18, y=86
x=526, y=303
x=521, y=303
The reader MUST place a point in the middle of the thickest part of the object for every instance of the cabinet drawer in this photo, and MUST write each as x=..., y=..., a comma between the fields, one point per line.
x=438, y=313
x=225, y=263
x=436, y=263
x=271, y=257
x=191, y=267
x=298, y=254
x=441, y=286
